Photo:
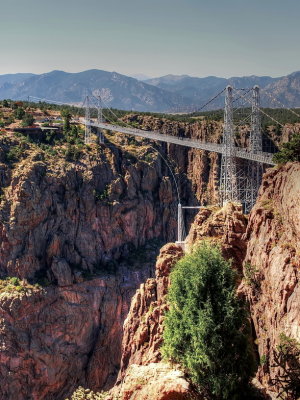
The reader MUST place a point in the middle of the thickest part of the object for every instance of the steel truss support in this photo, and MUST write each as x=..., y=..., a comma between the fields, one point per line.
x=240, y=181
x=255, y=169
x=87, y=134
x=181, y=233
x=228, y=178
x=100, y=118
x=180, y=226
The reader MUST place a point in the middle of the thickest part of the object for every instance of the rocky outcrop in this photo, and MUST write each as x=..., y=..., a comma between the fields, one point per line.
x=154, y=381
x=159, y=381
x=142, y=336
x=272, y=264
x=224, y=226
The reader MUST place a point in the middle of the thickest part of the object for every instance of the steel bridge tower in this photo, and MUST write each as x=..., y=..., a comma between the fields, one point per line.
x=240, y=182
x=228, y=178
x=87, y=133
x=255, y=169
x=100, y=118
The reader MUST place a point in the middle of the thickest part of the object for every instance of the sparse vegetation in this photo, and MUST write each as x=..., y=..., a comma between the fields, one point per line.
x=14, y=284
x=27, y=120
x=73, y=153
x=251, y=276
x=15, y=153
x=289, y=151
x=287, y=358
x=87, y=394
x=101, y=196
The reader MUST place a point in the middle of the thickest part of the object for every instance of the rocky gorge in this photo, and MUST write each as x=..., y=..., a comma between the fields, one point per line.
x=81, y=237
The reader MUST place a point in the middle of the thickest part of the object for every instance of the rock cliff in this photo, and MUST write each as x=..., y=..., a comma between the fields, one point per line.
x=272, y=264
x=58, y=216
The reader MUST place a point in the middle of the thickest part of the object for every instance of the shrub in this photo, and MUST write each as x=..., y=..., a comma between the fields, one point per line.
x=27, y=119
x=289, y=151
x=206, y=326
x=251, y=276
x=15, y=153
x=101, y=196
x=73, y=153
x=287, y=358
x=19, y=113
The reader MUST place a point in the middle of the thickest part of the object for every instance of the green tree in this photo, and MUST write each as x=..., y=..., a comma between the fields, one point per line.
x=206, y=328
x=289, y=151
x=28, y=120
x=66, y=115
x=19, y=113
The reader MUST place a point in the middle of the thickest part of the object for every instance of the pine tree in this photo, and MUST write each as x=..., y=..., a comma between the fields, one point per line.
x=206, y=326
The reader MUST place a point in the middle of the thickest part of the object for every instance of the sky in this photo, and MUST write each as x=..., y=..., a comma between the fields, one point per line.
x=153, y=37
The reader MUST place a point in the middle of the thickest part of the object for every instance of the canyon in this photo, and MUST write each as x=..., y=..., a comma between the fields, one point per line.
x=81, y=238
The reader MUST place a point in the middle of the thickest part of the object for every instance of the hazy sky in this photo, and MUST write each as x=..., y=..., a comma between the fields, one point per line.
x=153, y=37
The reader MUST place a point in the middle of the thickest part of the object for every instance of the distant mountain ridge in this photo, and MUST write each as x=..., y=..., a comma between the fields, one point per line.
x=200, y=90
x=170, y=93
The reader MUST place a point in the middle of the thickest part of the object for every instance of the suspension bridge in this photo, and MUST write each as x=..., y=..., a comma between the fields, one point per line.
x=236, y=184
x=241, y=168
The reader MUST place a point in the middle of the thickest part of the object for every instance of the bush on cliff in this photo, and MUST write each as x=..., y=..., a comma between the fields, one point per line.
x=289, y=151
x=206, y=326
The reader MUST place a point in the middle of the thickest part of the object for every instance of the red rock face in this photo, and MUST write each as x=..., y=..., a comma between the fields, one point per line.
x=274, y=253
x=143, y=326
x=154, y=381
x=226, y=227
x=73, y=215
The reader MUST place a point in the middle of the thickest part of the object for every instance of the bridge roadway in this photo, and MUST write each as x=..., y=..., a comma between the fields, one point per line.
x=262, y=157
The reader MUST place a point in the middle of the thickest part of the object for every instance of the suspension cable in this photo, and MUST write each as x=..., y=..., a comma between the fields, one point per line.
x=269, y=116
x=282, y=105
x=210, y=101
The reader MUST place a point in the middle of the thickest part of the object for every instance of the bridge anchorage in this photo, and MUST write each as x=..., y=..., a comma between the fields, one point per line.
x=241, y=169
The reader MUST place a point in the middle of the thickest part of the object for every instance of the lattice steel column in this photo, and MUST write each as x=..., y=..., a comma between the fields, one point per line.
x=99, y=118
x=255, y=146
x=179, y=224
x=87, y=134
x=228, y=178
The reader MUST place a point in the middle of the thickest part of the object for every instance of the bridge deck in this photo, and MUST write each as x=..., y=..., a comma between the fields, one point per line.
x=264, y=158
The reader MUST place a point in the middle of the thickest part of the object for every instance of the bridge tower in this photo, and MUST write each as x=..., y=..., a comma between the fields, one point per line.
x=87, y=133
x=99, y=118
x=228, y=178
x=255, y=169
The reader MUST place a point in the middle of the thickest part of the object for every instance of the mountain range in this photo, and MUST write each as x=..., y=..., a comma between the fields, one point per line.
x=170, y=93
